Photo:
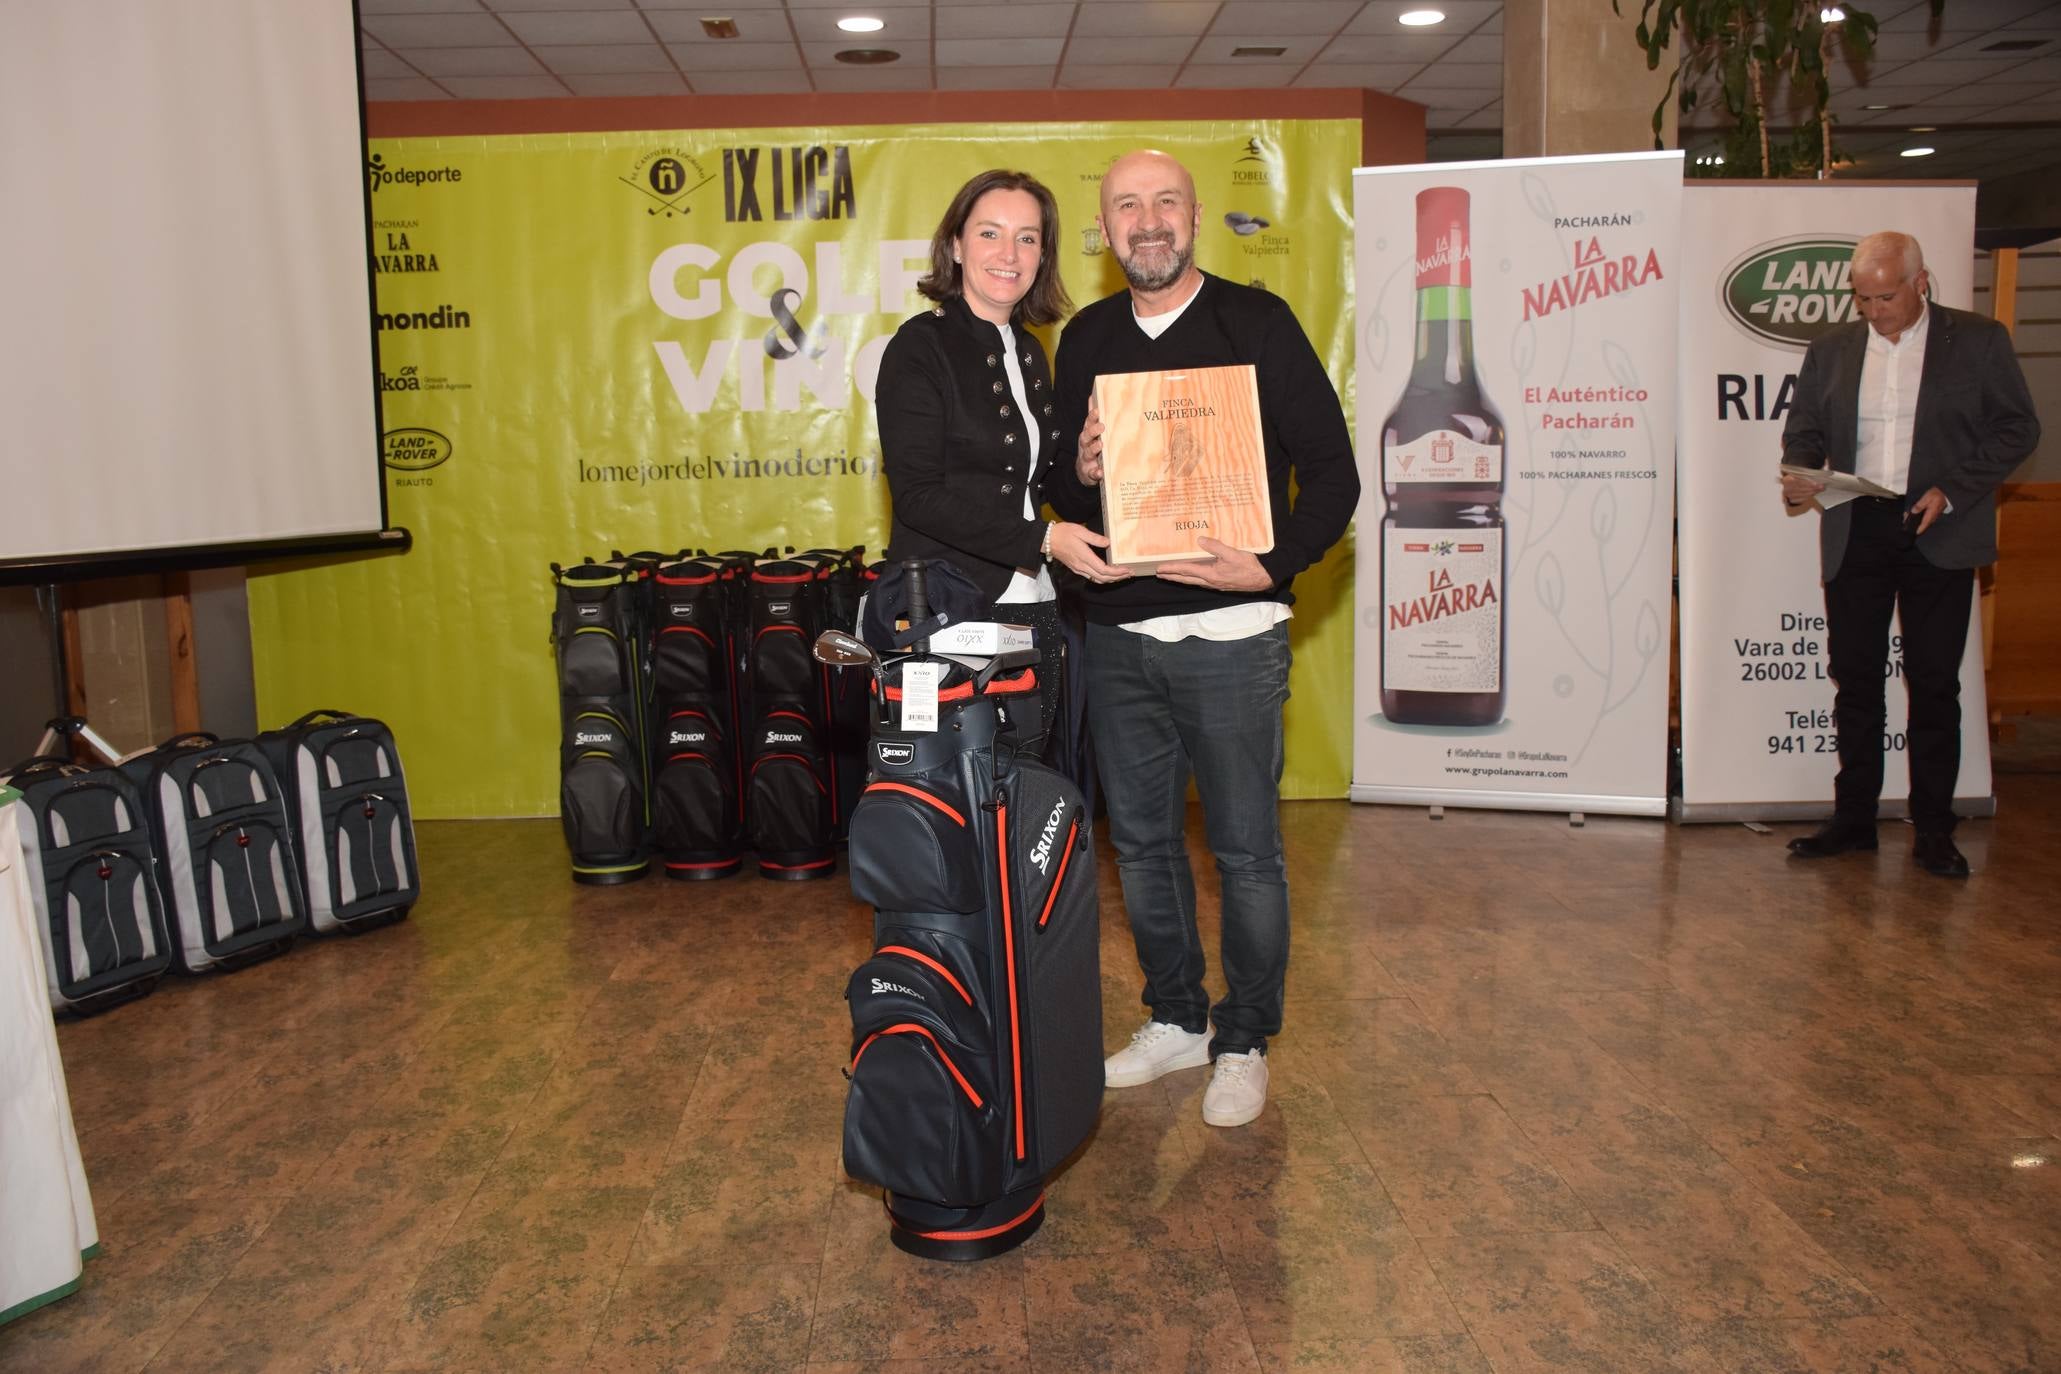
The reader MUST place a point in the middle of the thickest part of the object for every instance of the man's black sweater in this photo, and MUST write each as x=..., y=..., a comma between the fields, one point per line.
x=1300, y=419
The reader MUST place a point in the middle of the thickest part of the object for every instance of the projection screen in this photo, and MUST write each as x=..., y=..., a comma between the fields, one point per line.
x=187, y=353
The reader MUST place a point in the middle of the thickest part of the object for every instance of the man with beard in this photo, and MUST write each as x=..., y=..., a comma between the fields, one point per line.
x=1187, y=671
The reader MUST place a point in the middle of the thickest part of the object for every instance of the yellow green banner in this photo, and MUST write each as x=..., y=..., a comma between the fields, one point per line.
x=666, y=340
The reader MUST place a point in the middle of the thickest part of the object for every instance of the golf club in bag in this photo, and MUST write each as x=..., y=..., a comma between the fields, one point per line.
x=976, y=1053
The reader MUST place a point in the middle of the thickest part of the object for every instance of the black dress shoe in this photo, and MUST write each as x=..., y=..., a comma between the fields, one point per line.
x=1936, y=855
x=1834, y=837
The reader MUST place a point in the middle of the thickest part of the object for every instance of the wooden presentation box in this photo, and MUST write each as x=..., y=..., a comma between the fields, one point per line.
x=1182, y=457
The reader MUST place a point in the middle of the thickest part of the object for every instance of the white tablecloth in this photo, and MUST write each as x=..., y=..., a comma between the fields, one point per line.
x=46, y=1212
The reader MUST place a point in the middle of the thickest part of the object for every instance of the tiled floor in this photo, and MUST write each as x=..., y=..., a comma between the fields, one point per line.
x=1627, y=1097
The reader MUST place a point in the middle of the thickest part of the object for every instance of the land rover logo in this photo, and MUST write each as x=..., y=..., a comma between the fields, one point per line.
x=894, y=755
x=1792, y=291
x=412, y=450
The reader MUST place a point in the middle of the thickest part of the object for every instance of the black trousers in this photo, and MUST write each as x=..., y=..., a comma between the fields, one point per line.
x=1884, y=572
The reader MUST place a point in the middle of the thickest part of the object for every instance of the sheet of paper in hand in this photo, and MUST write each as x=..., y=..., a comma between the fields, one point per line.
x=1845, y=482
x=1182, y=457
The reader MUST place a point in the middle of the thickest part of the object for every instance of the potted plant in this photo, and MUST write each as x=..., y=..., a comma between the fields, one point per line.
x=1741, y=53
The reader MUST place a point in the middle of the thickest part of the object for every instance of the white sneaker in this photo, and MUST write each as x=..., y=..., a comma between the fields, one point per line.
x=1158, y=1048
x=1237, y=1091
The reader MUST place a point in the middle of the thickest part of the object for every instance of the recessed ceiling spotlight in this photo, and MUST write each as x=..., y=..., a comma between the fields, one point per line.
x=1421, y=19
x=868, y=57
x=1876, y=107
x=1923, y=129
x=1831, y=14
x=862, y=23
x=1916, y=152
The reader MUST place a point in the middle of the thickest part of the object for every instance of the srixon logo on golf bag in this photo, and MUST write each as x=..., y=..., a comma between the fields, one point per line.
x=1041, y=852
x=881, y=985
x=894, y=755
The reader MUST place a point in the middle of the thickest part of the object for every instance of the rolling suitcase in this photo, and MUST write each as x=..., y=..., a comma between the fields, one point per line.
x=86, y=849
x=226, y=871
x=348, y=801
x=976, y=1056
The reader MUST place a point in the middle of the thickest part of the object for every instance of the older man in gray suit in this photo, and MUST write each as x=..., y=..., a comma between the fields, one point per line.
x=1929, y=403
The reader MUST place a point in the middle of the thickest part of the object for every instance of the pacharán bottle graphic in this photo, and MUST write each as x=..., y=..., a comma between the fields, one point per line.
x=1444, y=631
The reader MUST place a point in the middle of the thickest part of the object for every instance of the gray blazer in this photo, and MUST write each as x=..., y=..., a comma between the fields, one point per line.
x=1974, y=425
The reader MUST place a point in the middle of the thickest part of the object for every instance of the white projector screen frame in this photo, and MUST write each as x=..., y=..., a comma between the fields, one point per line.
x=188, y=358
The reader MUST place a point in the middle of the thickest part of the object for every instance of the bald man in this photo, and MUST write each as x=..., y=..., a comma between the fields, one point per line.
x=1929, y=403
x=1187, y=671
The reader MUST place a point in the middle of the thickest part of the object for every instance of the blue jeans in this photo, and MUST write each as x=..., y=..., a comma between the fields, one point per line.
x=1160, y=712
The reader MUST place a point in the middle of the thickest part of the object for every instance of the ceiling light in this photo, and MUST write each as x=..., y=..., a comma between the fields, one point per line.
x=1831, y=14
x=868, y=57
x=1877, y=107
x=1916, y=152
x=1923, y=129
x=862, y=23
x=1420, y=19
x=719, y=28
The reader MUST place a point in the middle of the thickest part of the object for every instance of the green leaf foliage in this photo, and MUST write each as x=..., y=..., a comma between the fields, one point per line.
x=1725, y=44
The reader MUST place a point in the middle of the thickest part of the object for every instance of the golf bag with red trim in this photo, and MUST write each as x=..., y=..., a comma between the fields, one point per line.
x=976, y=1062
x=697, y=818
x=844, y=577
x=787, y=765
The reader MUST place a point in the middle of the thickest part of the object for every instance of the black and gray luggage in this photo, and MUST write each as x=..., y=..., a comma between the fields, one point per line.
x=596, y=632
x=86, y=850
x=976, y=1064
x=348, y=802
x=226, y=870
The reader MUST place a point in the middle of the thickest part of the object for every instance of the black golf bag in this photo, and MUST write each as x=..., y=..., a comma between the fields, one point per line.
x=92, y=874
x=976, y=1063
x=787, y=807
x=843, y=576
x=597, y=634
x=696, y=778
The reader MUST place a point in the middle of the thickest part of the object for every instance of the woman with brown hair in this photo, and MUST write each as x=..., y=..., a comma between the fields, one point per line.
x=965, y=406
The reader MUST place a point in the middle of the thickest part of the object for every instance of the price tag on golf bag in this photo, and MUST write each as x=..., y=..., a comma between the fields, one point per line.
x=919, y=696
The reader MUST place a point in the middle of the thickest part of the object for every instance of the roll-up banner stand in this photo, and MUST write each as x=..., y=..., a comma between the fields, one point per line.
x=1516, y=412
x=1768, y=272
